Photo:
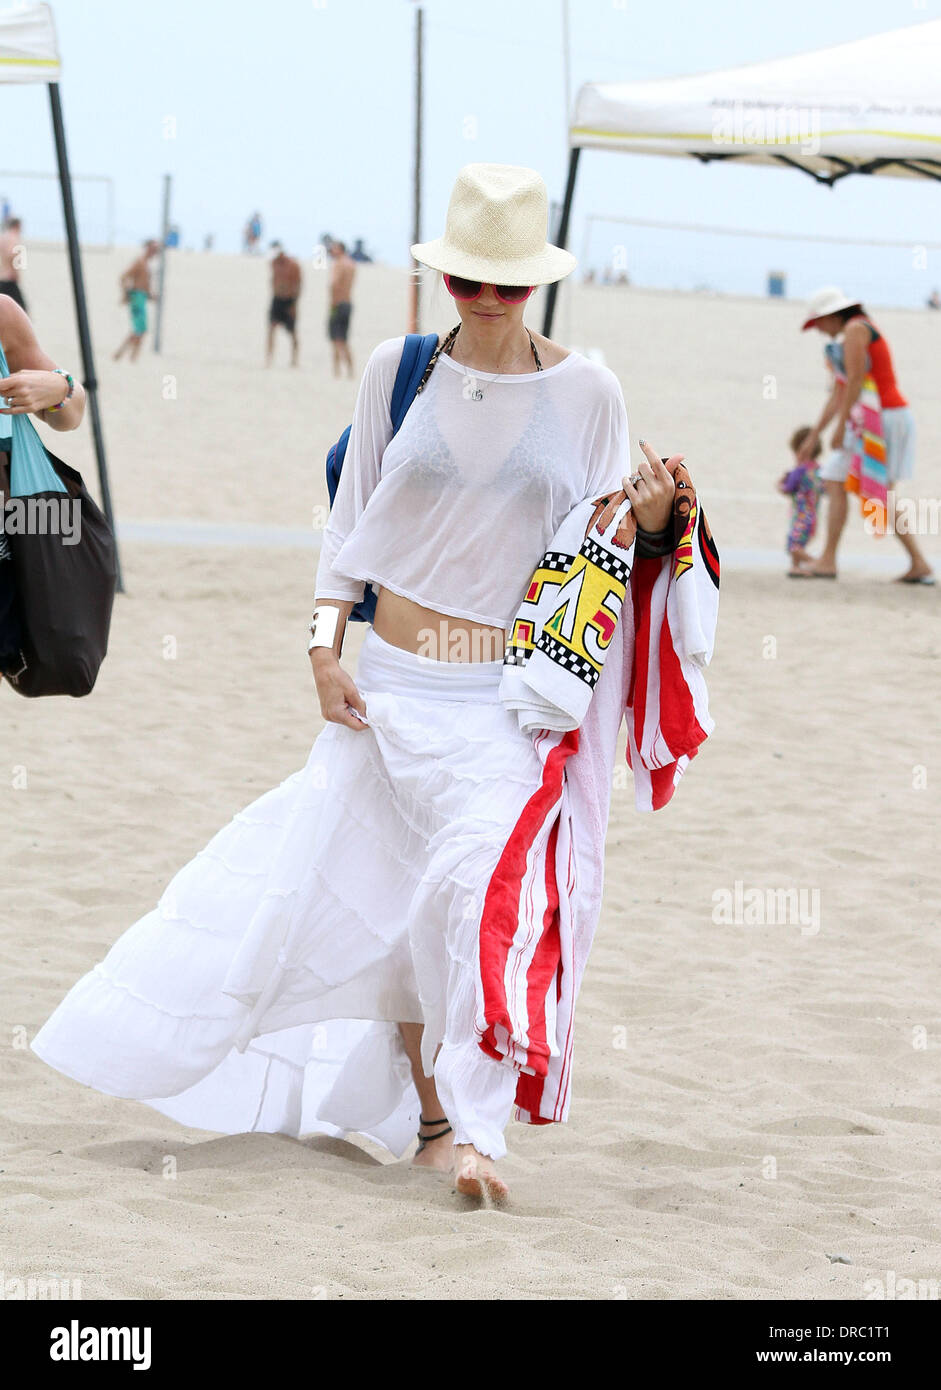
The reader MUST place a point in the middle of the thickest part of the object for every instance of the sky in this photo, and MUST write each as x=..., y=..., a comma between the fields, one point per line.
x=303, y=110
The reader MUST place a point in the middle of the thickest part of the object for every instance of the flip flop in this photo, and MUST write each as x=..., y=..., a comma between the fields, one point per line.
x=926, y=579
x=808, y=574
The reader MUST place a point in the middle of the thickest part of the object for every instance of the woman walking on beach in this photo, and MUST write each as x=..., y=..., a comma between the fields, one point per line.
x=861, y=352
x=318, y=966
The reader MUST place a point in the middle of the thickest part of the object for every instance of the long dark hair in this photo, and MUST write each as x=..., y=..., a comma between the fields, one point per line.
x=845, y=314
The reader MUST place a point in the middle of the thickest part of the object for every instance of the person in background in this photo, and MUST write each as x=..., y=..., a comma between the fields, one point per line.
x=252, y=234
x=286, y=281
x=342, y=274
x=803, y=486
x=934, y=300
x=11, y=254
x=136, y=288
x=865, y=352
x=32, y=385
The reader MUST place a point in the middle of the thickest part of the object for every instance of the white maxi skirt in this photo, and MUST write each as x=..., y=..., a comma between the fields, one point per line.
x=265, y=989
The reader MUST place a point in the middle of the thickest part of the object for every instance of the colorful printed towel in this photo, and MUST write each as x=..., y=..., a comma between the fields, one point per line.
x=601, y=637
x=865, y=442
x=867, y=475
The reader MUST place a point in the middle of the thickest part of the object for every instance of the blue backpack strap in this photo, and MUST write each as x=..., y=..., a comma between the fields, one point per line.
x=416, y=354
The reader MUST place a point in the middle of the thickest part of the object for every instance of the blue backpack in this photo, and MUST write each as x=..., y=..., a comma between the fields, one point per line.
x=416, y=354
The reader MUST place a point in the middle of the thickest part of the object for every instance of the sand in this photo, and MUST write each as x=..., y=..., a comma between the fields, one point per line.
x=750, y=1100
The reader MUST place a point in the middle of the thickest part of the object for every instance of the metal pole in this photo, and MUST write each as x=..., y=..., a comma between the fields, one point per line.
x=162, y=271
x=415, y=294
x=567, y=109
x=566, y=67
x=562, y=236
x=111, y=214
x=81, y=312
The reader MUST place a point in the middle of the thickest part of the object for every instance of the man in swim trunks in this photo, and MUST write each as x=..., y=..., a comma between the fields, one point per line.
x=136, y=288
x=285, y=291
x=11, y=258
x=342, y=273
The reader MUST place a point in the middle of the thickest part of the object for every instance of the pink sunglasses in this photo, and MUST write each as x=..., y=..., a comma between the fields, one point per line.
x=467, y=290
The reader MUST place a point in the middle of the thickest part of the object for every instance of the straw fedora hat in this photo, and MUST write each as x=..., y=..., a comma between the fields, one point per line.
x=496, y=229
x=829, y=300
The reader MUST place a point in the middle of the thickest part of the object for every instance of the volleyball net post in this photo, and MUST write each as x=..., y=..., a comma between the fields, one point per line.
x=162, y=272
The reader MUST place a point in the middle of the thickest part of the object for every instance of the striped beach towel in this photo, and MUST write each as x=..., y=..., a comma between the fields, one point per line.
x=601, y=637
x=864, y=440
x=867, y=475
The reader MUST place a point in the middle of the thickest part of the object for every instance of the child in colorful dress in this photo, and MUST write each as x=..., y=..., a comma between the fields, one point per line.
x=803, y=486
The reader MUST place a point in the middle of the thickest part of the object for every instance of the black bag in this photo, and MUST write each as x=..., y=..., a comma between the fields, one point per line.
x=64, y=586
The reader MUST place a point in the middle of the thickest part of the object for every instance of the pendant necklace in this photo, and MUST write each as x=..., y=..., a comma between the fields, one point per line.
x=472, y=391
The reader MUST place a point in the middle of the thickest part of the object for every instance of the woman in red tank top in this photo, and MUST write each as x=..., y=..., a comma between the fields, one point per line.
x=865, y=353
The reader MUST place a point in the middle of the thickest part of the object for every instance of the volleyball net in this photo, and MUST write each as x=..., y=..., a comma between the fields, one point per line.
x=36, y=199
x=736, y=260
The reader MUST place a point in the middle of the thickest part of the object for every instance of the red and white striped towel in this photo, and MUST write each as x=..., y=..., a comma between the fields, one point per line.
x=601, y=636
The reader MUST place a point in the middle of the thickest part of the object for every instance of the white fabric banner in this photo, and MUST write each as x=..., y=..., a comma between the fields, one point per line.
x=875, y=98
x=28, y=48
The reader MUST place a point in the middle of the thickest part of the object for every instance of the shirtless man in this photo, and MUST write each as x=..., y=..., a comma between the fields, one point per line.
x=285, y=291
x=11, y=248
x=342, y=273
x=135, y=286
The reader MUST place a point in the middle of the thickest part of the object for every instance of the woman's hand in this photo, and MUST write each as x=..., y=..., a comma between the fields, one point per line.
x=836, y=438
x=335, y=690
x=652, y=495
x=28, y=392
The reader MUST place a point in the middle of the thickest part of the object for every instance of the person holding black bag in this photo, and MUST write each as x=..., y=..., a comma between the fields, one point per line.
x=58, y=560
x=35, y=386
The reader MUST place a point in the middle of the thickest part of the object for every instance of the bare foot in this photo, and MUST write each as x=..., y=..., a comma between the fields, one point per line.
x=476, y=1175
x=438, y=1149
x=918, y=574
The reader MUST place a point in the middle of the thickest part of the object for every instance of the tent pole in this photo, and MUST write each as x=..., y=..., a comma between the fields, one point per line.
x=562, y=236
x=414, y=313
x=158, y=317
x=81, y=312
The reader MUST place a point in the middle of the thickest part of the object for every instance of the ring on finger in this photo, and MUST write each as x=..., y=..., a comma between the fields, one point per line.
x=636, y=478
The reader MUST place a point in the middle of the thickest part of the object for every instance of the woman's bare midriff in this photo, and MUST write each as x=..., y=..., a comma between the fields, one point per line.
x=439, y=636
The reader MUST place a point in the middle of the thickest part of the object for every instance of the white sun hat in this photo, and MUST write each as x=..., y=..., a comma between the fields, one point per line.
x=496, y=229
x=828, y=300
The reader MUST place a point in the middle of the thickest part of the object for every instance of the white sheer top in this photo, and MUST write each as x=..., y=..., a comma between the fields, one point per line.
x=457, y=510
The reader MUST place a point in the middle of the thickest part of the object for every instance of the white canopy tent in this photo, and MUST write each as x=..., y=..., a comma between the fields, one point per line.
x=872, y=106
x=29, y=52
